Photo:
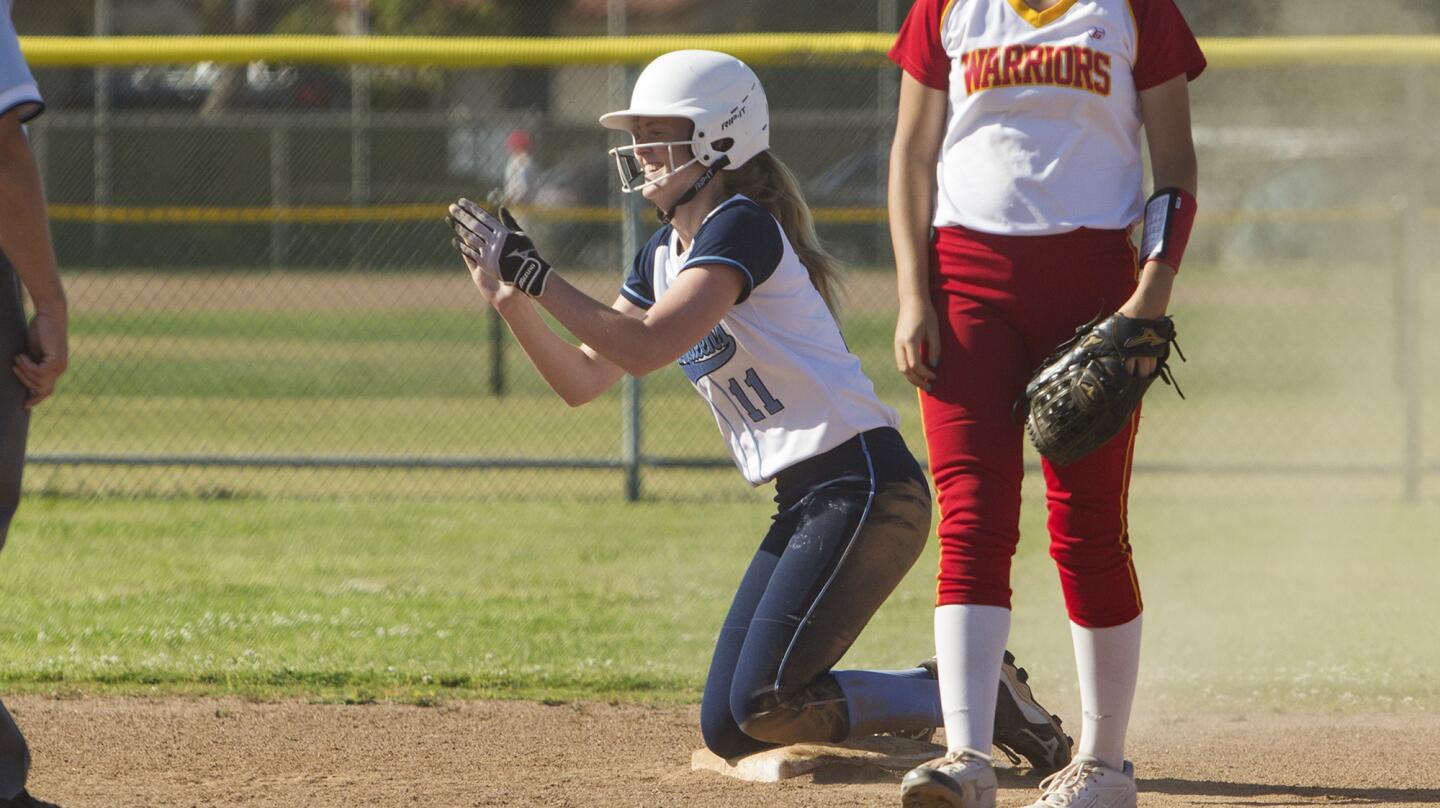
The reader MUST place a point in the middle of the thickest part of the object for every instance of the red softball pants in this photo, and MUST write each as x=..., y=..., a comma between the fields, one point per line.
x=1004, y=303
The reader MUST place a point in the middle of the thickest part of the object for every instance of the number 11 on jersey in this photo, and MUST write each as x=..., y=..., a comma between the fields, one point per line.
x=752, y=380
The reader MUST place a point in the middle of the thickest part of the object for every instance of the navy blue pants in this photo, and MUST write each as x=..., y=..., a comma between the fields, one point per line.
x=14, y=425
x=14, y=418
x=850, y=523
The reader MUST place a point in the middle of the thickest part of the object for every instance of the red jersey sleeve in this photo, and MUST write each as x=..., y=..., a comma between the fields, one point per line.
x=1167, y=46
x=918, y=49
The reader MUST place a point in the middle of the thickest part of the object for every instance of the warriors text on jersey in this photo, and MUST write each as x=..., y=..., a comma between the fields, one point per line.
x=1042, y=134
x=778, y=376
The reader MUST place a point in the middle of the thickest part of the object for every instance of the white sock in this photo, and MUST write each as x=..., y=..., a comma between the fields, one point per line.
x=1108, y=661
x=969, y=648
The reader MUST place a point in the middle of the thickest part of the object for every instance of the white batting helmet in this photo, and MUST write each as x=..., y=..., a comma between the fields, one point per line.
x=716, y=92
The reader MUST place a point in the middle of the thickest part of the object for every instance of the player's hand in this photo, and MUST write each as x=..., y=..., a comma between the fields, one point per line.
x=496, y=293
x=1149, y=302
x=917, y=342
x=500, y=246
x=1142, y=367
x=48, y=357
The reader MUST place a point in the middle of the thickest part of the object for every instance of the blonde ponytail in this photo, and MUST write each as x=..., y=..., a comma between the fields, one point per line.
x=771, y=184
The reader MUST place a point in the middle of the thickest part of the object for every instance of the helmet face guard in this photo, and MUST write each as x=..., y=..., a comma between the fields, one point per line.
x=632, y=168
x=718, y=94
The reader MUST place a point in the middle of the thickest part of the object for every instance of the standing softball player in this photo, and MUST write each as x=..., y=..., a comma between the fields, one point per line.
x=736, y=287
x=1018, y=142
x=26, y=255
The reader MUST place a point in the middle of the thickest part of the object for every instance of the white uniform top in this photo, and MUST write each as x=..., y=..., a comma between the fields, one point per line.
x=776, y=372
x=17, y=86
x=1042, y=132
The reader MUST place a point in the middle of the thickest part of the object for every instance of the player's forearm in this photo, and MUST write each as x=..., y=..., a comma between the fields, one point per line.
x=1152, y=295
x=1165, y=111
x=627, y=341
x=1173, y=165
x=911, y=198
x=574, y=375
x=1157, y=278
x=24, y=229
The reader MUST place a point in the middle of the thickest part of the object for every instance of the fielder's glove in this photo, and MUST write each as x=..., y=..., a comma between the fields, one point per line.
x=499, y=246
x=1082, y=395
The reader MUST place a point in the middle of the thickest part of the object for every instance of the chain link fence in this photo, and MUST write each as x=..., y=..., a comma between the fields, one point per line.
x=265, y=301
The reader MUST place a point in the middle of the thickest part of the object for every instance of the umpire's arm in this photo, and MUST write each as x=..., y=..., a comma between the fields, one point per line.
x=25, y=238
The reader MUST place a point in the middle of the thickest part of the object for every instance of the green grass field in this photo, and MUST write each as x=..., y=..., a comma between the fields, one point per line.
x=1301, y=590
x=1294, y=366
x=1286, y=603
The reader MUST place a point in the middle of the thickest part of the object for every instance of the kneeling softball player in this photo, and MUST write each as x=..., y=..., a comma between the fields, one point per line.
x=736, y=288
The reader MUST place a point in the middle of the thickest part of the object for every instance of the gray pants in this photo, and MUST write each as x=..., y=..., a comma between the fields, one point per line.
x=14, y=425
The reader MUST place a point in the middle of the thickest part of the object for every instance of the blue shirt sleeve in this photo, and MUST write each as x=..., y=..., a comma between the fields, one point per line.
x=742, y=235
x=639, y=286
x=17, y=86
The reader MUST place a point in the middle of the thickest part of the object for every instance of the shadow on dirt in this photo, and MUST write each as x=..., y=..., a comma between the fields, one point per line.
x=1332, y=796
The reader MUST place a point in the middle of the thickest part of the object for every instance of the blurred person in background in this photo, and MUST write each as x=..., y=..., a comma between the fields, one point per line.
x=39, y=356
x=520, y=169
x=1016, y=178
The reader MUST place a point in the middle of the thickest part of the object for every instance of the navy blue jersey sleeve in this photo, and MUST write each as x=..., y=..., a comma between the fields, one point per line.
x=639, y=286
x=742, y=235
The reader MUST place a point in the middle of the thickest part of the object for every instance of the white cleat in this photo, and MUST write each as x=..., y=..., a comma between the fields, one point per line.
x=961, y=779
x=1088, y=783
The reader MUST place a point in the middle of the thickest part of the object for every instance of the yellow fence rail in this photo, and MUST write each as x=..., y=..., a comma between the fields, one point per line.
x=339, y=214
x=316, y=214
x=759, y=49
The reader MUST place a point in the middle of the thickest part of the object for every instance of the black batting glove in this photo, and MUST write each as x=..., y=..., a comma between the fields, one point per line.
x=499, y=246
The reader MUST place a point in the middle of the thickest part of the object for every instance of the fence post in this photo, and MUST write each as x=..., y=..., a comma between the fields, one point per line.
x=1412, y=250
x=359, y=130
x=630, y=450
x=631, y=438
x=279, y=192
x=630, y=454
x=887, y=98
x=496, y=327
x=100, y=138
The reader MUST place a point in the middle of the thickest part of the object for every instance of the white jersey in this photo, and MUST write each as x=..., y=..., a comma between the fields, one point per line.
x=777, y=374
x=1042, y=132
x=17, y=86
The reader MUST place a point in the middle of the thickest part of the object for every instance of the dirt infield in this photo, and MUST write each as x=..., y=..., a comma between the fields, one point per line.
x=124, y=752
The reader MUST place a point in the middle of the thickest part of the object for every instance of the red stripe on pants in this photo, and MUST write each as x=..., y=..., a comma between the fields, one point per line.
x=1004, y=303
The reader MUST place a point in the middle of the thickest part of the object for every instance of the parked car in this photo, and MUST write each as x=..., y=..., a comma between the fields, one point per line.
x=264, y=87
x=853, y=181
x=568, y=189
